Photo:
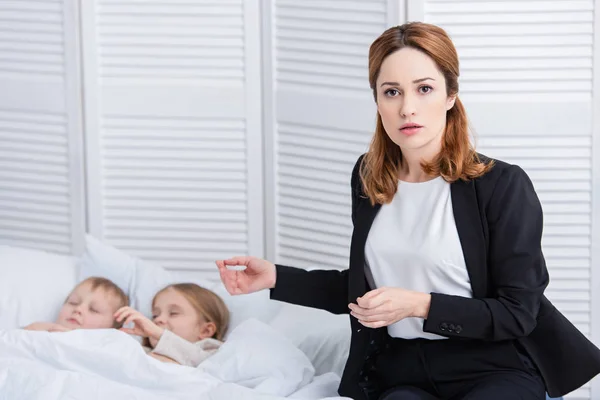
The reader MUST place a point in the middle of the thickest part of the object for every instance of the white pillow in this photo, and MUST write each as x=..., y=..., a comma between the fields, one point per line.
x=258, y=357
x=322, y=336
x=141, y=280
x=33, y=285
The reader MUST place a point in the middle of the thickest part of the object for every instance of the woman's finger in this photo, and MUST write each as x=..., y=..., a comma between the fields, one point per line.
x=240, y=260
x=374, y=325
x=372, y=299
x=370, y=318
x=367, y=311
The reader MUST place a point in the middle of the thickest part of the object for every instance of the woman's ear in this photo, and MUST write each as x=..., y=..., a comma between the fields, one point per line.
x=207, y=330
x=450, y=102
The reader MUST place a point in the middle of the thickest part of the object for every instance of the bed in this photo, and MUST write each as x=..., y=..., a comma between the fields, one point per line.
x=272, y=351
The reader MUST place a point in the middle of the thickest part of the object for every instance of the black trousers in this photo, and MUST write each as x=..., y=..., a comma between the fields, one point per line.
x=451, y=369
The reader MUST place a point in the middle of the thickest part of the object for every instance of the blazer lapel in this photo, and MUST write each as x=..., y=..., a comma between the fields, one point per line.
x=470, y=232
x=364, y=219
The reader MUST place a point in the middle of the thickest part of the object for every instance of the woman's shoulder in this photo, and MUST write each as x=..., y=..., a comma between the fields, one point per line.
x=501, y=171
x=502, y=179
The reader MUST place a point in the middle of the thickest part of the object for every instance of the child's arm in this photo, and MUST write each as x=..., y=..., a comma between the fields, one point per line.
x=185, y=353
x=46, y=326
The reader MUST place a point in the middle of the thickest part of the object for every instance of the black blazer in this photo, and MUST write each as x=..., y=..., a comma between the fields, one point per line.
x=499, y=221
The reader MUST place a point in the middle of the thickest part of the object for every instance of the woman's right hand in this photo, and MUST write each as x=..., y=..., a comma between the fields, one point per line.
x=259, y=274
x=142, y=326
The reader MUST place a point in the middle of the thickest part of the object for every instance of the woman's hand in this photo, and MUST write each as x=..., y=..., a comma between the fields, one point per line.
x=46, y=326
x=142, y=326
x=386, y=306
x=258, y=275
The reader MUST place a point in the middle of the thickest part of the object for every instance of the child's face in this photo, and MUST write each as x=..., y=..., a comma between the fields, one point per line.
x=172, y=311
x=88, y=309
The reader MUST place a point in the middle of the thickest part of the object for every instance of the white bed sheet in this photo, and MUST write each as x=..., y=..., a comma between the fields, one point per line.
x=256, y=362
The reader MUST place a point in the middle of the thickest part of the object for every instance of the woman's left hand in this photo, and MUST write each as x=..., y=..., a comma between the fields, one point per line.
x=386, y=306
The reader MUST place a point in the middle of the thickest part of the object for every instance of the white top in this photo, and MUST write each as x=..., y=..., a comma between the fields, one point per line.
x=413, y=244
x=184, y=352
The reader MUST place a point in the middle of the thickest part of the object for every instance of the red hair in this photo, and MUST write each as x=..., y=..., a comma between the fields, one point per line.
x=457, y=158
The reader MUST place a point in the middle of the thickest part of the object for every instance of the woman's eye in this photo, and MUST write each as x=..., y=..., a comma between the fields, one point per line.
x=425, y=89
x=391, y=92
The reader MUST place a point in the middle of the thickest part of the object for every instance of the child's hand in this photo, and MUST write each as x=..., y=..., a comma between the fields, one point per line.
x=46, y=326
x=142, y=325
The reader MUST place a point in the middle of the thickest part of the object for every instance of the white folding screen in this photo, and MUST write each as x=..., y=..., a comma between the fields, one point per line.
x=173, y=127
x=41, y=164
x=526, y=81
x=320, y=118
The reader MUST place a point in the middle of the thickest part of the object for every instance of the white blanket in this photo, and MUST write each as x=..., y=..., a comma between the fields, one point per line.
x=256, y=362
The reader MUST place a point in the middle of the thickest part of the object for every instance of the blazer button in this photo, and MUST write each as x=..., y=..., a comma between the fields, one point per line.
x=452, y=327
x=443, y=326
x=458, y=329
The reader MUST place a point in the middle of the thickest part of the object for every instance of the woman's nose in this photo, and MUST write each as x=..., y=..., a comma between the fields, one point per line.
x=407, y=108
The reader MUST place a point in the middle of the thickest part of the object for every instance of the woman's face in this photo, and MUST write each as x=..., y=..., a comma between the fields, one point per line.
x=411, y=91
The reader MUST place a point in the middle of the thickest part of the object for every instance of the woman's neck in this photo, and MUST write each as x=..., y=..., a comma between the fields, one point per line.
x=410, y=167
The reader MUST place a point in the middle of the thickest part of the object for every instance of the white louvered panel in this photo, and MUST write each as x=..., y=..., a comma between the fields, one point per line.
x=41, y=194
x=529, y=49
x=323, y=45
x=175, y=189
x=320, y=52
x=31, y=40
x=314, y=224
x=34, y=191
x=199, y=40
x=173, y=114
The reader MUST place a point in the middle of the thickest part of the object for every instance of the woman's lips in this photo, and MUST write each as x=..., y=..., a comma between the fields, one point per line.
x=411, y=130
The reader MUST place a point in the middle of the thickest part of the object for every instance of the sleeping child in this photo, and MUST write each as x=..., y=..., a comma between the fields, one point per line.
x=91, y=305
x=188, y=324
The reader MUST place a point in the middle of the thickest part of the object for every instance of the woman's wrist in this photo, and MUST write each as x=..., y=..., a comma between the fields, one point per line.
x=422, y=304
x=273, y=277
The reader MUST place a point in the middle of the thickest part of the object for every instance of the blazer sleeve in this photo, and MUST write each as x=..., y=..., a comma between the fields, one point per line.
x=324, y=289
x=517, y=270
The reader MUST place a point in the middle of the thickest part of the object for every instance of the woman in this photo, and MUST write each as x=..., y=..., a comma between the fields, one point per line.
x=446, y=279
